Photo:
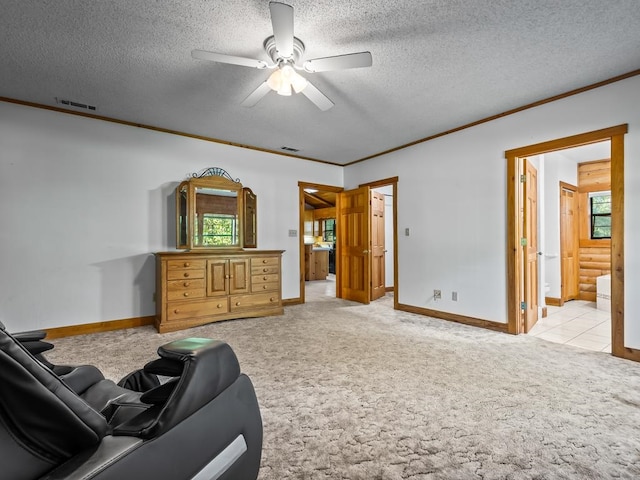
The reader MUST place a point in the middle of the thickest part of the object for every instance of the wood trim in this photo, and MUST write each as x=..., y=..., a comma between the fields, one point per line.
x=162, y=130
x=453, y=317
x=630, y=354
x=554, y=302
x=301, y=186
x=380, y=183
x=570, y=93
x=99, y=327
x=390, y=289
x=617, y=246
x=393, y=181
x=568, y=142
x=514, y=274
x=504, y=114
x=292, y=301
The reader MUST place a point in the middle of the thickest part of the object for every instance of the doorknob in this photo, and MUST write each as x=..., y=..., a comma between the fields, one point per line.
x=365, y=252
x=540, y=253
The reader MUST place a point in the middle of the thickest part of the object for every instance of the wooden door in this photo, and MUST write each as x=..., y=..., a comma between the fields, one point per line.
x=217, y=278
x=531, y=246
x=569, y=248
x=378, y=285
x=239, y=274
x=353, y=245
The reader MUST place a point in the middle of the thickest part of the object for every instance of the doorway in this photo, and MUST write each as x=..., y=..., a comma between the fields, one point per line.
x=383, y=257
x=571, y=256
x=516, y=213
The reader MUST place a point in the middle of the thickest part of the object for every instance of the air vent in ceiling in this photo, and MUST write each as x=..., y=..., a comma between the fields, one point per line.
x=71, y=103
x=290, y=149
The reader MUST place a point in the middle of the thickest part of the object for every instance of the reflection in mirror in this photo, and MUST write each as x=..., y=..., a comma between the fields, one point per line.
x=182, y=215
x=216, y=218
x=250, y=218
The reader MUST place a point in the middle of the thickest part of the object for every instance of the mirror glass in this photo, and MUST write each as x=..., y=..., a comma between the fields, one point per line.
x=181, y=194
x=250, y=219
x=216, y=218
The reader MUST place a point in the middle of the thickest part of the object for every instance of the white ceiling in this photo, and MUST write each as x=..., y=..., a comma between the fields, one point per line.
x=437, y=64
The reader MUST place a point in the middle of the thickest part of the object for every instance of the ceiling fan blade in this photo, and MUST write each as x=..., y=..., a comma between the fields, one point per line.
x=339, y=62
x=231, y=59
x=255, y=96
x=317, y=97
x=282, y=22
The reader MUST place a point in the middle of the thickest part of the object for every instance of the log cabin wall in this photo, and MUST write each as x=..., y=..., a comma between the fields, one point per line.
x=594, y=255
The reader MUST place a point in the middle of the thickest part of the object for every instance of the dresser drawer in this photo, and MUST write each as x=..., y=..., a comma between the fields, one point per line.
x=185, y=273
x=265, y=287
x=183, y=310
x=265, y=278
x=184, y=289
x=265, y=265
x=240, y=302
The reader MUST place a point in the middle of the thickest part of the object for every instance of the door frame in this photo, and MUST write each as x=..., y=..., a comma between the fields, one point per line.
x=393, y=181
x=514, y=228
x=301, y=187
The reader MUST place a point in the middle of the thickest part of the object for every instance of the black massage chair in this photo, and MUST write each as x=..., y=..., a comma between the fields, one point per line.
x=200, y=421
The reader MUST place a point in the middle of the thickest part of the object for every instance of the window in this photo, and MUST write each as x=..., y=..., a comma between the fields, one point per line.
x=600, y=207
x=219, y=230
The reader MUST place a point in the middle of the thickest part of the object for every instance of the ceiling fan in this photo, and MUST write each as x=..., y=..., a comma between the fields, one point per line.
x=286, y=52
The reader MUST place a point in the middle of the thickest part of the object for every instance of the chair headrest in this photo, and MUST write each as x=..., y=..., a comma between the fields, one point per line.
x=39, y=409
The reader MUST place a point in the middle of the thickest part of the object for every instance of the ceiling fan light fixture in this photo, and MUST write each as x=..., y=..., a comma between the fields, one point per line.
x=284, y=78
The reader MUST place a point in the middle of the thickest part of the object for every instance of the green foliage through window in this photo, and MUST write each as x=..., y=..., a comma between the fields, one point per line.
x=600, y=204
x=219, y=230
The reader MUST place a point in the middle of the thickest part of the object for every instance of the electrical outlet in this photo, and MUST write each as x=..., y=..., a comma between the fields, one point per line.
x=437, y=294
x=454, y=296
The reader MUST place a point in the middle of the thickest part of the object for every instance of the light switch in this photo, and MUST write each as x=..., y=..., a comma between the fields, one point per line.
x=293, y=233
x=406, y=232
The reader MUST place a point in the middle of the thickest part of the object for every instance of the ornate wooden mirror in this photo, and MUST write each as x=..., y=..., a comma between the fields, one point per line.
x=211, y=212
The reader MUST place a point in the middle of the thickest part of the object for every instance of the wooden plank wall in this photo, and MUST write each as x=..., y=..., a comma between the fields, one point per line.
x=594, y=255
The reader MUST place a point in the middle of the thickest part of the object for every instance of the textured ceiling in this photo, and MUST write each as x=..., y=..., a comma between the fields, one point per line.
x=437, y=64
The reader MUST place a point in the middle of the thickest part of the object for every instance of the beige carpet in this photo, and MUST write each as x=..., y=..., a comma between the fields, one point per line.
x=364, y=392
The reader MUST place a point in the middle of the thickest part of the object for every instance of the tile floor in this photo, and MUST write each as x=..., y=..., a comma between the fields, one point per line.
x=577, y=323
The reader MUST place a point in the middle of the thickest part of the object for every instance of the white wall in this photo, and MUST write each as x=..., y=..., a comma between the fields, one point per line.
x=452, y=195
x=84, y=203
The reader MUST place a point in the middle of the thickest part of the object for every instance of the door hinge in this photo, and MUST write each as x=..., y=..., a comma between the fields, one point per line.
x=523, y=178
x=523, y=242
x=523, y=305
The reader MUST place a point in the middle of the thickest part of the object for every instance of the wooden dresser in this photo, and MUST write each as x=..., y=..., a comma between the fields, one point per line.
x=194, y=288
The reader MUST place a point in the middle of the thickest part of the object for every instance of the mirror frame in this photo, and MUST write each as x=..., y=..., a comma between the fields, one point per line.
x=215, y=178
x=250, y=221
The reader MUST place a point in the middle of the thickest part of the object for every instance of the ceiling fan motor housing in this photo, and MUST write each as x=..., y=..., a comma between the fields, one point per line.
x=270, y=48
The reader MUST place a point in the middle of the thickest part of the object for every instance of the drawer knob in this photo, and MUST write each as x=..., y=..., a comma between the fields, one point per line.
x=264, y=287
x=186, y=274
x=187, y=264
x=272, y=299
x=265, y=278
x=186, y=294
x=237, y=304
x=186, y=284
x=264, y=261
x=219, y=305
x=265, y=270
x=176, y=311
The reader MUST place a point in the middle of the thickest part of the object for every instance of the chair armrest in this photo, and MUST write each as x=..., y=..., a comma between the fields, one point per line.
x=208, y=368
x=30, y=336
